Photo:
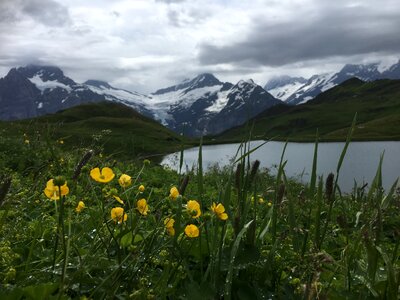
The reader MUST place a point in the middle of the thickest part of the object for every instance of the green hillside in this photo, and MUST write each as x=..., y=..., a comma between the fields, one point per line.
x=118, y=128
x=377, y=105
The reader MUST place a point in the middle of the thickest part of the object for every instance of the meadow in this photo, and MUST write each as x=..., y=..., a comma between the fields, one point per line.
x=79, y=222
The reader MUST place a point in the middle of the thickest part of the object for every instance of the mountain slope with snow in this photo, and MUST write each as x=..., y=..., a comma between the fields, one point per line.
x=213, y=107
x=137, y=101
x=283, y=87
x=291, y=91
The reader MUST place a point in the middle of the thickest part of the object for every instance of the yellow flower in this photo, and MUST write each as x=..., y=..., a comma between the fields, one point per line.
x=192, y=231
x=169, y=225
x=53, y=191
x=269, y=203
x=80, y=207
x=261, y=200
x=125, y=180
x=26, y=142
x=61, y=142
x=171, y=231
x=106, y=174
x=193, y=208
x=219, y=210
x=141, y=188
x=169, y=222
x=142, y=206
x=173, y=193
x=118, y=215
x=118, y=199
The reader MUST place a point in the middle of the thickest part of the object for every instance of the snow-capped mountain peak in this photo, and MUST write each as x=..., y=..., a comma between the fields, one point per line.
x=200, y=81
x=49, y=74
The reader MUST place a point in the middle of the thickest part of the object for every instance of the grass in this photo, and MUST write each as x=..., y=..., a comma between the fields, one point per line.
x=281, y=240
x=117, y=128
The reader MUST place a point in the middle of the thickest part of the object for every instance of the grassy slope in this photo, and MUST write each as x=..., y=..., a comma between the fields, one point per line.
x=119, y=128
x=376, y=103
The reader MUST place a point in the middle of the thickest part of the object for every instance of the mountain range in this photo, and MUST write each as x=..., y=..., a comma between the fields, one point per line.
x=195, y=107
x=296, y=90
x=202, y=105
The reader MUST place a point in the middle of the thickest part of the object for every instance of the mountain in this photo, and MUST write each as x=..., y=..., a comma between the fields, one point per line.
x=31, y=91
x=282, y=87
x=205, y=105
x=377, y=104
x=292, y=92
x=198, y=106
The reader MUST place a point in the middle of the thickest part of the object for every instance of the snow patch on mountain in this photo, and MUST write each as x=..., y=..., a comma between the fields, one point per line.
x=113, y=94
x=285, y=91
x=50, y=84
x=220, y=103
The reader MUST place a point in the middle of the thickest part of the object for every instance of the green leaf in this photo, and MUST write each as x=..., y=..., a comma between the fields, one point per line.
x=126, y=240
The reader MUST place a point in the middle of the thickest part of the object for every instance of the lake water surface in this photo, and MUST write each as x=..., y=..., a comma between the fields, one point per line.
x=360, y=163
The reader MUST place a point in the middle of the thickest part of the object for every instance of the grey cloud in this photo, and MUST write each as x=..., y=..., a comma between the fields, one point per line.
x=179, y=17
x=335, y=31
x=47, y=12
x=173, y=18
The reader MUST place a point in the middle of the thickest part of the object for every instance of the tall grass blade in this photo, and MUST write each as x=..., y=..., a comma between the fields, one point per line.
x=277, y=188
x=376, y=184
x=311, y=192
x=343, y=154
x=181, y=159
x=235, y=248
x=247, y=153
x=318, y=214
x=291, y=217
x=392, y=284
x=200, y=170
x=313, y=179
x=266, y=224
x=389, y=197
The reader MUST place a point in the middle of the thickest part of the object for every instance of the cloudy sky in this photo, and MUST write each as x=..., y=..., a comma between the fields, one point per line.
x=144, y=45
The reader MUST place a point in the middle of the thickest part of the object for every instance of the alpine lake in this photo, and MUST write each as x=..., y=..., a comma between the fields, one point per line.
x=359, y=166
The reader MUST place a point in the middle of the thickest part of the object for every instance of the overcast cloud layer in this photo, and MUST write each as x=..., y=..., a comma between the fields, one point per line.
x=144, y=45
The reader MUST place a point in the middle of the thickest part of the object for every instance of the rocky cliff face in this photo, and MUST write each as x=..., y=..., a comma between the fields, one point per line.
x=17, y=97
